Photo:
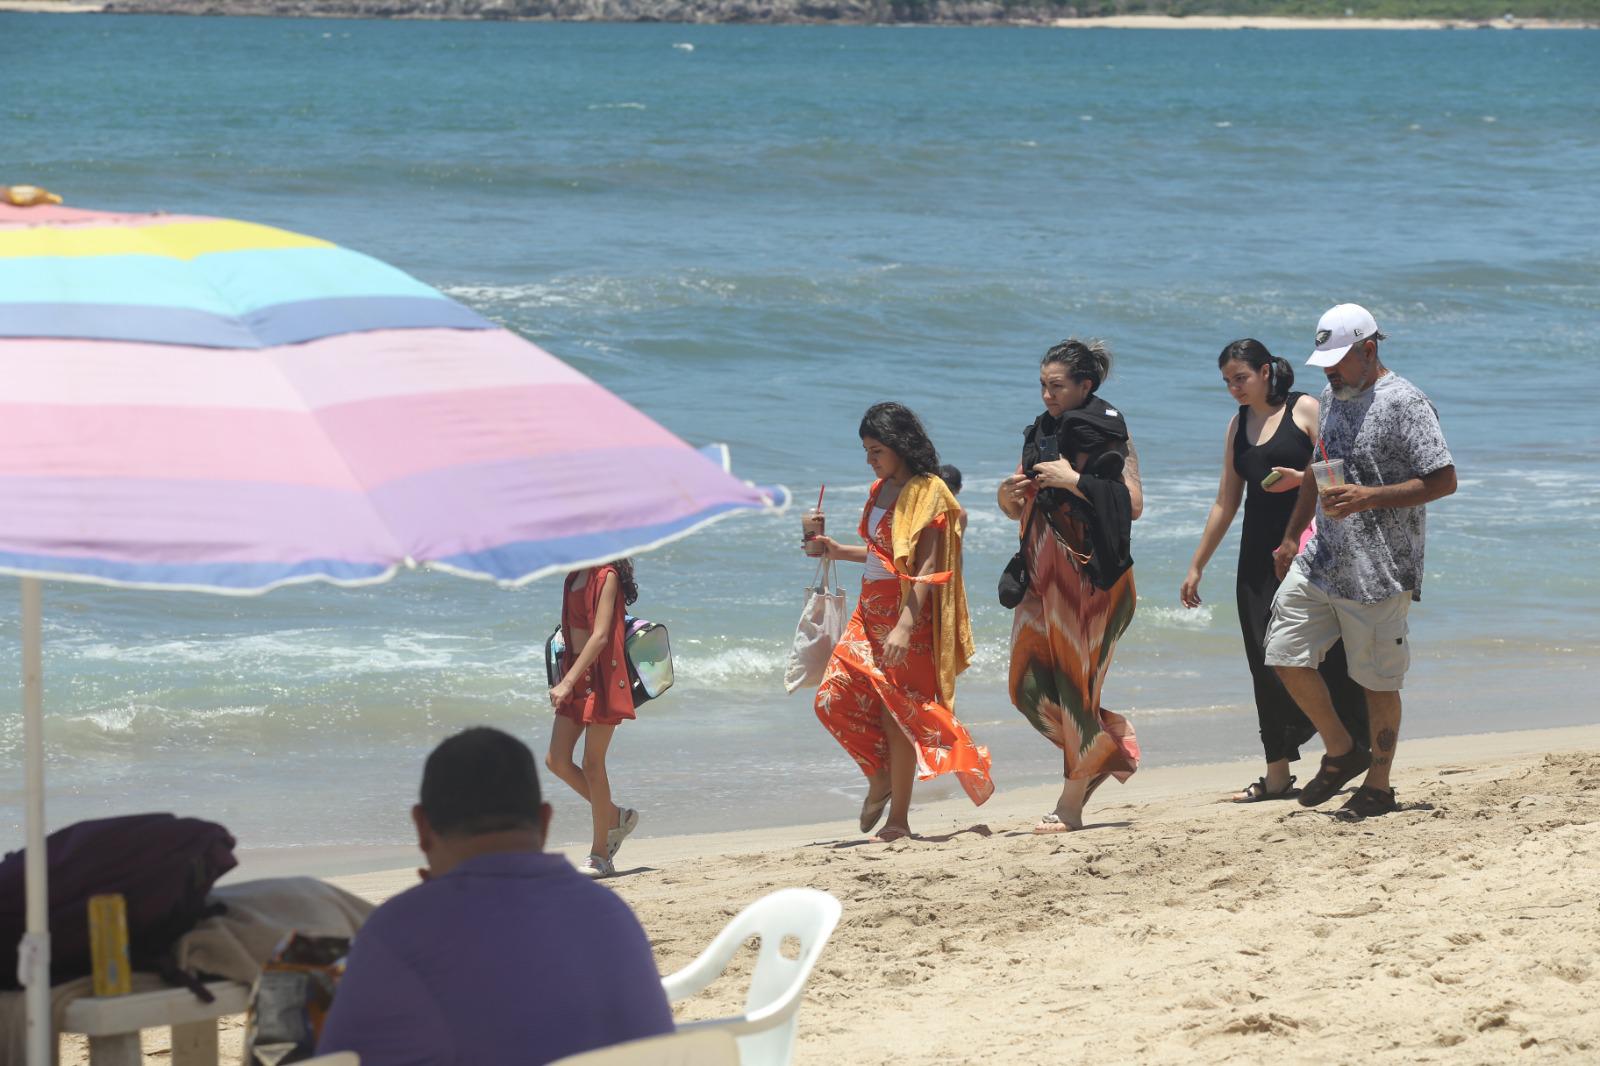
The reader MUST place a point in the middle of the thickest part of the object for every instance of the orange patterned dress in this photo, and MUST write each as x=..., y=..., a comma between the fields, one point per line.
x=855, y=689
x=1062, y=638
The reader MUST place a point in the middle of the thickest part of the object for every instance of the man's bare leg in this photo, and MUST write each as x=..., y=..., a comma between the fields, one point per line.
x=1305, y=684
x=1383, y=712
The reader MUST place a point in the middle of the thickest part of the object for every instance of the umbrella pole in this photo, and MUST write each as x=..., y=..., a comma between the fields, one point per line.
x=34, y=954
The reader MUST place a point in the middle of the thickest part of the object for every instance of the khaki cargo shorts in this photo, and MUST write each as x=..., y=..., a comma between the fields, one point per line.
x=1306, y=622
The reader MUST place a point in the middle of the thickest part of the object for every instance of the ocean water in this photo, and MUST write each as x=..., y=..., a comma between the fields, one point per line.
x=754, y=239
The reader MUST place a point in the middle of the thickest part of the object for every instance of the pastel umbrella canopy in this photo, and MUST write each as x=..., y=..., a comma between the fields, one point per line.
x=210, y=405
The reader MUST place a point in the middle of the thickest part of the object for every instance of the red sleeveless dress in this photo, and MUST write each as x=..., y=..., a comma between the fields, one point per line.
x=603, y=695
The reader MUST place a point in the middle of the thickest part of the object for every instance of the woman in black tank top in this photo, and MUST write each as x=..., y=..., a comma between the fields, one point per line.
x=1266, y=438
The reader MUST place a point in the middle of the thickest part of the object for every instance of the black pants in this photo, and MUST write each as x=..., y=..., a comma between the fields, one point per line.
x=1284, y=726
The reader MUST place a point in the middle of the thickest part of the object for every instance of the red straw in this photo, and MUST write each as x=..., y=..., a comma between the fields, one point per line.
x=1323, y=450
x=824, y=488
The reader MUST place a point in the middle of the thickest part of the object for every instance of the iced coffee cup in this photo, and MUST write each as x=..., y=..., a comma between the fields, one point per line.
x=812, y=525
x=1328, y=474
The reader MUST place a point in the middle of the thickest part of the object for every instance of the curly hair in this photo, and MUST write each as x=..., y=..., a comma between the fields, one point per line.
x=1089, y=360
x=630, y=588
x=898, y=427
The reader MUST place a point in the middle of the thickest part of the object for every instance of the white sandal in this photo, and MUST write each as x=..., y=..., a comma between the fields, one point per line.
x=596, y=867
x=627, y=821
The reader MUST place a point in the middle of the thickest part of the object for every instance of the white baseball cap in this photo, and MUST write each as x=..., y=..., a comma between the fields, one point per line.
x=1338, y=329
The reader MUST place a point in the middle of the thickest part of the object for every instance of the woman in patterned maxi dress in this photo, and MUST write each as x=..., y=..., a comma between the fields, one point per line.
x=887, y=694
x=1065, y=630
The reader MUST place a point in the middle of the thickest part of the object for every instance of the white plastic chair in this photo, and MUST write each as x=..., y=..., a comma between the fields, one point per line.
x=766, y=1030
x=701, y=1047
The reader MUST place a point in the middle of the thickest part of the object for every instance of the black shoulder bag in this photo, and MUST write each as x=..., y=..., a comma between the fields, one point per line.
x=1014, y=578
x=1039, y=445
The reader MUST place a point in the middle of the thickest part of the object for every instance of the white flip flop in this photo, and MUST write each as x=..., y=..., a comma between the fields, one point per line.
x=1049, y=824
x=596, y=867
x=627, y=821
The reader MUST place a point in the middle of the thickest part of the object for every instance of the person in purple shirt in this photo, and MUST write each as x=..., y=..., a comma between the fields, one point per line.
x=504, y=955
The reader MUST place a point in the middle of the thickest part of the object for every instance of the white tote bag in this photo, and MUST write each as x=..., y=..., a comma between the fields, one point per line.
x=821, y=625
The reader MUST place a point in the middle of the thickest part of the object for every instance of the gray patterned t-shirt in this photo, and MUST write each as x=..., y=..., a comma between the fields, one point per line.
x=1387, y=435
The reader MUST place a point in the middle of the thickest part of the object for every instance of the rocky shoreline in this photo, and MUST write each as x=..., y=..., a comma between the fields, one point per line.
x=759, y=12
x=954, y=12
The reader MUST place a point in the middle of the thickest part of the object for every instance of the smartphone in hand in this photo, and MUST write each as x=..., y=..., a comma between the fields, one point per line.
x=1049, y=448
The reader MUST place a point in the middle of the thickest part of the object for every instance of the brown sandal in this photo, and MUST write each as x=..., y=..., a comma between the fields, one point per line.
x=1334, y=775
x=872, y=809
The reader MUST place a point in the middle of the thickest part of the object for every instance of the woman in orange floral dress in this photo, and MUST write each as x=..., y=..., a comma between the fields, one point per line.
x=1066, y=628
x=888, y=693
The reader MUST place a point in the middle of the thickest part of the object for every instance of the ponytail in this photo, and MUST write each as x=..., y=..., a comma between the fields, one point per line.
x=1280, y=380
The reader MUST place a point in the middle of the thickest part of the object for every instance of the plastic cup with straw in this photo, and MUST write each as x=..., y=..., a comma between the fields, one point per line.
x=812, y=525
x=1329, y=472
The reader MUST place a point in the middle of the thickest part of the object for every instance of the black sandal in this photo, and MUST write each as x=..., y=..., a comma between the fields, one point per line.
x=1334, y=775
x=1256, y=792
x=1367, y=803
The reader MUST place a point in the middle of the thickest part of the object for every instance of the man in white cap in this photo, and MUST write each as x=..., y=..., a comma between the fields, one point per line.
x=1358, y=576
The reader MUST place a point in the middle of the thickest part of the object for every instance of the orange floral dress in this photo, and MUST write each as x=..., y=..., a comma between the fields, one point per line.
x=856, y=690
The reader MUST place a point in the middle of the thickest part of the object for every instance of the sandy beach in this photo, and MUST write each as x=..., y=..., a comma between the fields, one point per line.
x=1274, y=22
x=1173, y=929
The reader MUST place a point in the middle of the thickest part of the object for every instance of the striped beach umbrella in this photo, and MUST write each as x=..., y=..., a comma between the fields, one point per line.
x=207, y=404
x=212, y=405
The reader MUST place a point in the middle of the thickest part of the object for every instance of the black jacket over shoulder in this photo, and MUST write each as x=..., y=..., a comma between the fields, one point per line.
x=1107, y=517
x=1106, y=509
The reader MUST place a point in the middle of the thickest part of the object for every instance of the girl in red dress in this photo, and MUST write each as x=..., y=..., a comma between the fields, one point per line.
x=594, y=694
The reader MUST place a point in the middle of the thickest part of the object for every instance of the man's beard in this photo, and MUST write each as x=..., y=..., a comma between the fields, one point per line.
x=1348, y=392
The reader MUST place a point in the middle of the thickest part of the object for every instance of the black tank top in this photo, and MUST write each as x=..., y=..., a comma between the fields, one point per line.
x=1266, y=514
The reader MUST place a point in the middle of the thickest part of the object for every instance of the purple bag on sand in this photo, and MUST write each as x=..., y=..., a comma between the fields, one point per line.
x=162, y=865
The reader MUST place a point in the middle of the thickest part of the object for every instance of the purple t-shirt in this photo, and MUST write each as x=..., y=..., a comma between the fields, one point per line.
x=508, y=958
